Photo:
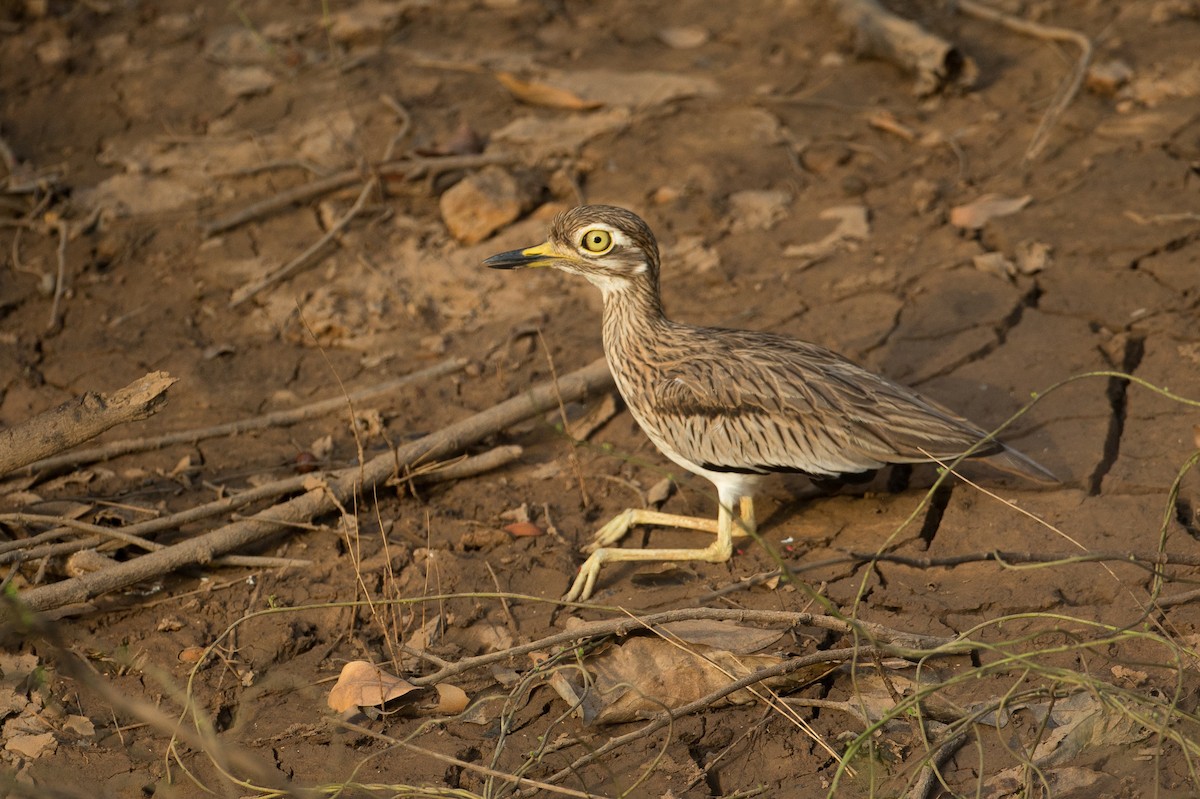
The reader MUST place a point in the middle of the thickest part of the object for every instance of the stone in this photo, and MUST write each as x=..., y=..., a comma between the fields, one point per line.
x=480, y=204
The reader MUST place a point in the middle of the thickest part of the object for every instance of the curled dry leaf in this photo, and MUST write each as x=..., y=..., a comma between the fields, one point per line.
x=451, y=699
x=362, y=684
x=647, y=675
x=1196, y=435
x=535, y=92
x=977, y=213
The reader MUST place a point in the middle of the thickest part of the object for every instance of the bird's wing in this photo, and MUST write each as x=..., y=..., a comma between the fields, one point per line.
x=776, y=404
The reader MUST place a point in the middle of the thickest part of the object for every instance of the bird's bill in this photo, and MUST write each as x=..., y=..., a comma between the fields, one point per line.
x=541, y=255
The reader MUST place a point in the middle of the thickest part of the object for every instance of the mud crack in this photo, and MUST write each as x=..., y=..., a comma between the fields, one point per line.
x=1135, y=348
x=937, y=509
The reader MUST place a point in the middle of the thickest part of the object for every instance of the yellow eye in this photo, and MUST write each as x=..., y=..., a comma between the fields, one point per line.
x=597, y=240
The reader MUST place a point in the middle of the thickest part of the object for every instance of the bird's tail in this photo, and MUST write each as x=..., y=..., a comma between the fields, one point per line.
x=1014, y=462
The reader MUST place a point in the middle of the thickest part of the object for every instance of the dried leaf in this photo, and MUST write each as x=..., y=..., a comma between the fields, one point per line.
x=362, y=684
x=536, y=92
x=660, y=492
x=451, y=699
x=647, y=674
x=976, y=214
x=524, y=530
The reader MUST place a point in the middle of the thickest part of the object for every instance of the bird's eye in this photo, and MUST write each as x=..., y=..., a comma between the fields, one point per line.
x=597, y=241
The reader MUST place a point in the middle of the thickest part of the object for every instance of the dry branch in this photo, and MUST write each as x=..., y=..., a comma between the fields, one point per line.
x=326, y=497
x=1070, y=86
x=406, y=168
x=275, y=419
x=81, y=419
x=312, y=254
x=881, y=34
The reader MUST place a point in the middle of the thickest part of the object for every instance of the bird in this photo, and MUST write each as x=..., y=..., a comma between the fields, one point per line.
x=735, y=406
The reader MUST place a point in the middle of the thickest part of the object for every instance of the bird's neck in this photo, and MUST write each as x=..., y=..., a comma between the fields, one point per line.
x=631, y=305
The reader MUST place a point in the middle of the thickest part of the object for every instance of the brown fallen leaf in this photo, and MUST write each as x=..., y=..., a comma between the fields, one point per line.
x=535, y=92
x=362, y=684
x=523, y=530
x=451, y=699
x=977, y=213
x=647, y=675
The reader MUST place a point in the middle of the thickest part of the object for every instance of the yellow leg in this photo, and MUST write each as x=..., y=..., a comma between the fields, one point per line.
x=719, y=551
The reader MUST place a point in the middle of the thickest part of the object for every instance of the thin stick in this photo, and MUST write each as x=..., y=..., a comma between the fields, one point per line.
x=124, y=536
x=1067, y=91
x=323, y=499
x=406, y=168
x=80, y=419
x=61, y=276
x=463, y=764
x=275, y=419
x=311, y=256
x=468, y=467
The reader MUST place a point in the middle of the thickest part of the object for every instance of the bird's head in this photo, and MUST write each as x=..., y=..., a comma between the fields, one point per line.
x=611, y=247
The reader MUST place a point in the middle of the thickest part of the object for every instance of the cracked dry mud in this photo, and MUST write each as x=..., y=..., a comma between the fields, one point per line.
x=157, y=115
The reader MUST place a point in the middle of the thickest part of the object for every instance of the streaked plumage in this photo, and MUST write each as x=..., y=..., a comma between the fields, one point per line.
x=734, y=405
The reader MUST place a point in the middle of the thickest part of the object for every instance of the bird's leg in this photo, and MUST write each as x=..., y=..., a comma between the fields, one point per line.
x=718, y=551
x=747, y=524
x=626, y=520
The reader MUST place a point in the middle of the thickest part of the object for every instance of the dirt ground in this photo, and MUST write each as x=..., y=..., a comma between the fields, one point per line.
x=983, y=277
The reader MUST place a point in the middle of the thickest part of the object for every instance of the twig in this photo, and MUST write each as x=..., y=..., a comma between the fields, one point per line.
x=80, y=419
x=285, y=199
x=1067, y=91
x=405, y=168
x=405, y=119
x=929, y=775
x=276, y=419
x=323, y=499
x=60, y=276
x=311, y=256
x=1179, y=599
x=1149, y=560
x=468, y=467
x=474, y=768
x=124, y=536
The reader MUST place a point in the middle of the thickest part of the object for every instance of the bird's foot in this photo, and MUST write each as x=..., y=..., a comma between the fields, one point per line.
x=585, y=581
x=613, y=531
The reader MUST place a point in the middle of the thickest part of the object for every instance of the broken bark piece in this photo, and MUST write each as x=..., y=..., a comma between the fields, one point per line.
x=81, y=419
x=879, y=33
